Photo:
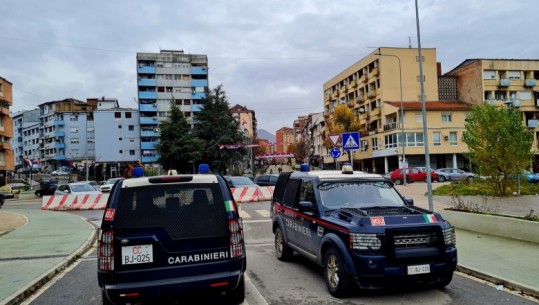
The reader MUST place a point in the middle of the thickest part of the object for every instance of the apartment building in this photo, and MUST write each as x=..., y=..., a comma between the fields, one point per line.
x=25, y=142
x=502, y=82
x=163, y=78
x=247, y=123
x=6, y=130
x=383, y=90
x=284, y=137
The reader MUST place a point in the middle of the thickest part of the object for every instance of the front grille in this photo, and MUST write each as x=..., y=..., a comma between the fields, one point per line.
x=414, y=240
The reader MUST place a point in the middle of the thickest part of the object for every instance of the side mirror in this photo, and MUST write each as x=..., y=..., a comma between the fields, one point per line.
x=305, y=206
x=409, y=201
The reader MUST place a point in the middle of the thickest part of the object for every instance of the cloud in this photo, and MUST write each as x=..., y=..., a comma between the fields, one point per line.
x=271, y=56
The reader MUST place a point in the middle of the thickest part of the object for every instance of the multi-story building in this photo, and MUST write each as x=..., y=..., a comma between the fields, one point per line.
x=246, y=120
x=117, y=141
x=25, y=142
x=509, y=82
x=7, y=160
x=66, y=132
x=164, y=78
x=284, y=137
x=383, y=90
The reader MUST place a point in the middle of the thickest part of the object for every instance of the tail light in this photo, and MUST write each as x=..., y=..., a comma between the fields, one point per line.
x=106, y=251
x=235, y=233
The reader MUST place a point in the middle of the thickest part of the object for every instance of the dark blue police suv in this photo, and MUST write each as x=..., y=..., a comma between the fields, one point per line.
x=361, y=231
x=167, y=236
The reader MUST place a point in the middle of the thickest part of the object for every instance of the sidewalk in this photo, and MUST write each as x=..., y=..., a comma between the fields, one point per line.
x=502, y=261
x=38, y=244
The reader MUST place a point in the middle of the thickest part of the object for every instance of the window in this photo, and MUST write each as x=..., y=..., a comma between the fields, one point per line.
x=119, y=139
x=90, y=140
x=117, y=115
x=525, y=95
x=74, y=129
x=168, y=76
x=489, y=74
x=391, y=140
x=513, y=74
x=132, y=152
x=453, y=138
x=374, y=143
x=74, y=141
x=131, y=127
x=414, y=139
x=446, y=117
x=119, y=126
x=90, y=129
x=500, y=95
x=128, y=115
x=437, y=138
x=131, y=140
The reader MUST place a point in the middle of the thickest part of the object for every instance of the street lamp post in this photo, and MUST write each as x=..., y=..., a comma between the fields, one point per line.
x=401, y=116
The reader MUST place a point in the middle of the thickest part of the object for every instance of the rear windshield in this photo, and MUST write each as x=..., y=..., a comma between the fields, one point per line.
x=184, y=210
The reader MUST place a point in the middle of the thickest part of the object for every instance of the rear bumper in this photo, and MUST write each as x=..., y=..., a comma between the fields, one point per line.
x=171, y=288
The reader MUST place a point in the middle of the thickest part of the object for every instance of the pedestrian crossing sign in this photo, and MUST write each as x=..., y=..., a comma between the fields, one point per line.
x=350, y=140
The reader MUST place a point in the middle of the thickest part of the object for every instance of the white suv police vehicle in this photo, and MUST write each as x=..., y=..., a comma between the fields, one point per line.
x=360, y=230
x=167, y=236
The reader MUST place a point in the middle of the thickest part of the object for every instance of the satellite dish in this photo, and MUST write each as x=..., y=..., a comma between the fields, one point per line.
x=361, y=109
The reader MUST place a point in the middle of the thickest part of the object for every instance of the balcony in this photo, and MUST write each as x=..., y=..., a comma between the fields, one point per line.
x=532, y=123
x=149, y=121
x=149, y=159
x=198, y=95
x=145, y=69
x=371, y=94
x=5, y=145
x=504, y=82
x=373, y=72
x=59, y=123
x=361, y=79
x=59, y=134
x=59, y=145
x=59, y=157
x=390, y=126
x=199, y=70
x=147, y=95
x=199, y=83
x=147, y=108
x=149, y=133
x=490, y=102
x=147, y=82
x=148, y=145
x=529, y=82
x=515, y=103
x=352, y=84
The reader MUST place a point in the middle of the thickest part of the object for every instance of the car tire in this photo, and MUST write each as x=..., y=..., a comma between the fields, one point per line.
x=236, y=296
x=445, y=281
x=441, y=179
x=397, y=181
x=282, y=250
x=336, y=277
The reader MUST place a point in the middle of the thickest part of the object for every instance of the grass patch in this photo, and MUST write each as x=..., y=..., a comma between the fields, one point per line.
x=483, y=188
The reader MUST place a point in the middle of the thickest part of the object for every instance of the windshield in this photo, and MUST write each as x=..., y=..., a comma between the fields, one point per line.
x=354, y=194
x=82, y=188
x=237, y=181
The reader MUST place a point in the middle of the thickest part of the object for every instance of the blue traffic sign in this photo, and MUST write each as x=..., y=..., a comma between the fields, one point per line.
x=335, y=153
x=350, y=140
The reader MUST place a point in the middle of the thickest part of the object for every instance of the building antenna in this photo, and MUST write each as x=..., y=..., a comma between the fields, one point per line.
x=409, y=42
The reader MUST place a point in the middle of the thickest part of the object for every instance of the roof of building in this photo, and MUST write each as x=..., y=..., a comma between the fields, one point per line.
x=472, y=60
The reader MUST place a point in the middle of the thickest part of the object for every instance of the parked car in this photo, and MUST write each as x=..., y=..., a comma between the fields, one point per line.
x=360, y=231
x=46, y=188
x=240, y=181
x=93, y=183
x=12, y=190
x=454, y=174
x=413, y=174
x=76, y=188
x=59, y=172
x=163, y=237
x=266, y=179
x=107, y=186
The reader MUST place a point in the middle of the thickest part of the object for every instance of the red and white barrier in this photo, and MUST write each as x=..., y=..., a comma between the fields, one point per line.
x=75, y=202
x=265, y=193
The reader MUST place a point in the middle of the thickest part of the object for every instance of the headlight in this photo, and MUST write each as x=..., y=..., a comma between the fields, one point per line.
x=449, y=237
x=365, y=242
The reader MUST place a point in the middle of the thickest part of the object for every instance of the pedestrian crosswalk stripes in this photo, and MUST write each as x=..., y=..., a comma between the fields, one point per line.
x=263, y=213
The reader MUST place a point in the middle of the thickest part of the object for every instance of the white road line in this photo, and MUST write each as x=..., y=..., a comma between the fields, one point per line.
x=264, y=213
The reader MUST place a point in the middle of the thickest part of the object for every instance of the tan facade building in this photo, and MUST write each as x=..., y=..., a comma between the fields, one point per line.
x=502, y=82
x=7, y=158
x=284, y=137
x=383, y=90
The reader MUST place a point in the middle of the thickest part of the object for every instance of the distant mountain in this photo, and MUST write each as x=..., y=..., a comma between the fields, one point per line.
x=263, y=134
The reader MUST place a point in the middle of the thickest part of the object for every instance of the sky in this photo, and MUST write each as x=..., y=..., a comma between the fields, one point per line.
x=271, y=56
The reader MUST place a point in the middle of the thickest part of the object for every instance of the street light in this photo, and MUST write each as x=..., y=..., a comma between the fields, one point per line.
x=405, y=165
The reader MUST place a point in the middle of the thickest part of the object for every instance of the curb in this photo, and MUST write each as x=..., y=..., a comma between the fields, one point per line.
x=22, y=294
x=522, y=288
